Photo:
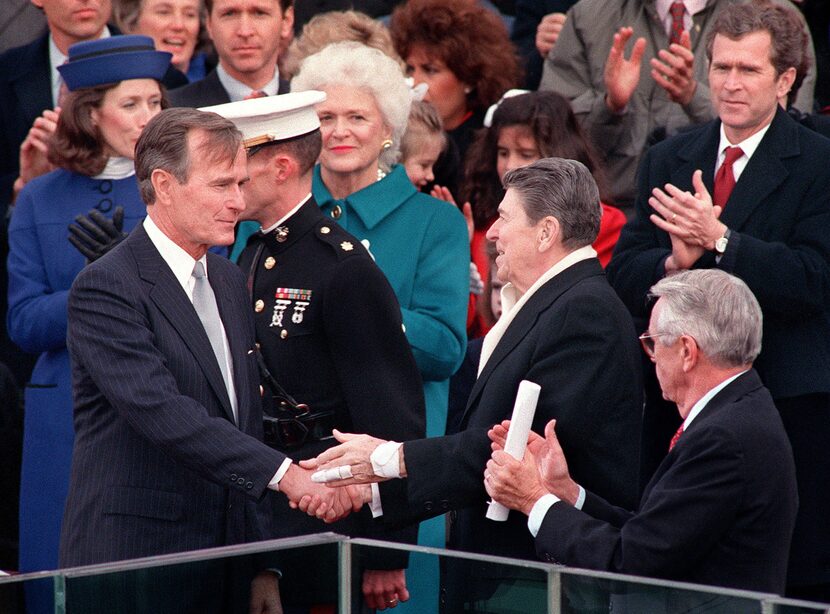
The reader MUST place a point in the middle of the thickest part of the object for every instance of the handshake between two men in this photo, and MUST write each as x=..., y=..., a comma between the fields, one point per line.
x=350, y=468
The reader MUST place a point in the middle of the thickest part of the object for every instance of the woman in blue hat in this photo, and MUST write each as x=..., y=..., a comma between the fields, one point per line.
x=114, y=90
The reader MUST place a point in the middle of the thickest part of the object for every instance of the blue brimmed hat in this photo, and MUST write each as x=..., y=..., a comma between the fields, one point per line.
x=113, y=59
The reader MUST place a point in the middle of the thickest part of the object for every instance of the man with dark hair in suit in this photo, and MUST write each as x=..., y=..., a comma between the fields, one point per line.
x=749, y=193
x=563, y=328
x=247, y=36
x=721, y=507
x=168, y=451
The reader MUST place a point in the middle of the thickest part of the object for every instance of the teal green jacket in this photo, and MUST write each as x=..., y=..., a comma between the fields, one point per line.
x=421, y=244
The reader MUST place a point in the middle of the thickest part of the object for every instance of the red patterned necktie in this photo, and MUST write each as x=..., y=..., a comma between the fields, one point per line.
x=675, y=437
x=677, y=10
x=725, y=178
x=255, y=94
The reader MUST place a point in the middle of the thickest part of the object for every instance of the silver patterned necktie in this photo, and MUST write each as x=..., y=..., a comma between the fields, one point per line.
x=204, y=301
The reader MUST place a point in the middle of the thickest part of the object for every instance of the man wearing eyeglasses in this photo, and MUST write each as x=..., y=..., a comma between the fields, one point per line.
x=721, y=507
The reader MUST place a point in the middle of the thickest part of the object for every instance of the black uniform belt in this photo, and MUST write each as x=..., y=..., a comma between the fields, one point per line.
x=293, y=424
x=292, y=430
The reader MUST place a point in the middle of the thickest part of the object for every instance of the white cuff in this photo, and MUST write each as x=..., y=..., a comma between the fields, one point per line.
x=580, y=499
x=386, y=460
x=537, y=514
x=375, y=505
x=274, y=484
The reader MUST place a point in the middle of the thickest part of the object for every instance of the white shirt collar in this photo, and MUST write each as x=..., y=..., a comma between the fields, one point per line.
x=704, y=400
x=238, y=91
x=180, y=262
x=265, y=231
x=56, y=58
x=117, y=168
x=748, y=146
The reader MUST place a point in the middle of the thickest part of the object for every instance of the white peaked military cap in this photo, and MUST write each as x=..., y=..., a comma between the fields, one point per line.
x=272, y=118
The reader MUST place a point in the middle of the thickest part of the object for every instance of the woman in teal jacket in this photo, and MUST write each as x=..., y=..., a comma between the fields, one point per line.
x=419, y=242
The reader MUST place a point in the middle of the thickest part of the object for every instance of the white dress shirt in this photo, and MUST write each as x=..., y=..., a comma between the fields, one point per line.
x=239, y=91
x=748, y=146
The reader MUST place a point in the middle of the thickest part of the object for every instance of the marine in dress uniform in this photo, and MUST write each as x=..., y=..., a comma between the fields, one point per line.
x=328, y=326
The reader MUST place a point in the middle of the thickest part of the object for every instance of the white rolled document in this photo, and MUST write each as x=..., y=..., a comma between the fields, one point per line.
x=520, y=422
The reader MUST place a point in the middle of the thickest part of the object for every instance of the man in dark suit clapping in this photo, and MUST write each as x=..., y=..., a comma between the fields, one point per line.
x=749, y=193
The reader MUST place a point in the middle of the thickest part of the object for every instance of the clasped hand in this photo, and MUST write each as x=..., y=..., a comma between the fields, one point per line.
x=327, y=504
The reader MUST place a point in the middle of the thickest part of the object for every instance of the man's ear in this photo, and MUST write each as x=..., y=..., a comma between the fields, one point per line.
x=690, y=352
x=785, y=82
x=548, y=233
x=287, y=22
x=283, y=167
x=162, y=182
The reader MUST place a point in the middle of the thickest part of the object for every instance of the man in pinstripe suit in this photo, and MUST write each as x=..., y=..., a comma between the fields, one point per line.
x=168, y=452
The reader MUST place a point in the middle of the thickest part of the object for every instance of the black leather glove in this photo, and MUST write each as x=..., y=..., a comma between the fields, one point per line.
x=95, y=234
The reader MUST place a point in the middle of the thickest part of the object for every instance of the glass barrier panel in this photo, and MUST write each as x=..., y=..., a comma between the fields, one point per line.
x=220, y=580
x=793, y=606
x=470, y=583
x=586, y=592
x=33, y=593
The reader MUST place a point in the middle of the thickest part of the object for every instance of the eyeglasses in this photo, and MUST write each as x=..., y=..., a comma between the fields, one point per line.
x=647, y=341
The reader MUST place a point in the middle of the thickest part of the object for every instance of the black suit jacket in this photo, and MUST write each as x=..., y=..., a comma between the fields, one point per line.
x=720, y=509
x=25, y=92
x=158, y=464
x=575, y=339
x=779, y=215
x=207, y=92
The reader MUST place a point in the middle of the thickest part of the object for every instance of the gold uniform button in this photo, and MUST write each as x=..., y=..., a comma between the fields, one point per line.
x=270, y=262
x=283, y=334
x=259, y=305
x=336, y=212
x=324, y=230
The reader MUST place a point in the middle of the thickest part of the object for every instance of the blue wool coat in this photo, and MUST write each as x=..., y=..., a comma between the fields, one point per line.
x=42, y=265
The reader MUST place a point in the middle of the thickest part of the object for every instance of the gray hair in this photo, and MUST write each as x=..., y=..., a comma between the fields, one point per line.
x=164, y=144
x=715, y=308
x=564, y=189
x=355, y=65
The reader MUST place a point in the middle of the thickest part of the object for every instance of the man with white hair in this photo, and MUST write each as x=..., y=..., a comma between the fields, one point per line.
x=721, y=507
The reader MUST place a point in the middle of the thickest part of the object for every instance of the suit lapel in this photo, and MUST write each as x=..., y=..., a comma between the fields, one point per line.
x=31, y=81
x=764, y=172
x=700, y=153
x=172, y=301
x=526, y=319
x=741, y=386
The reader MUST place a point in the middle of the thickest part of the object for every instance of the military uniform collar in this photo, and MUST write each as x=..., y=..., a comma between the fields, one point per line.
x=285, y=233
x=374, y=202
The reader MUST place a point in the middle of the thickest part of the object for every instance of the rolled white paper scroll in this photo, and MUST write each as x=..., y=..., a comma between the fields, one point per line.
x=520, y=422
